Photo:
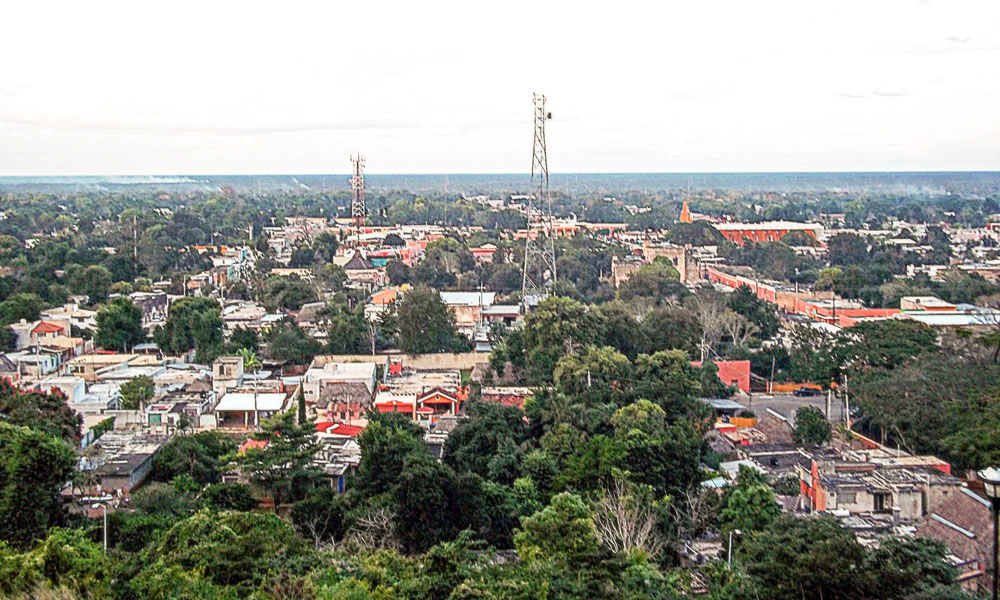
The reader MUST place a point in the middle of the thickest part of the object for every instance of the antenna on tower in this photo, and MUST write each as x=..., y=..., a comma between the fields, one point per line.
x=540, y=253
x=358, y=210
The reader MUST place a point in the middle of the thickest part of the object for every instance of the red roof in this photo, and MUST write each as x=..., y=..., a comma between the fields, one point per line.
x=324, y=425
x=258, y=444
x=346, y=430
x=47, y=327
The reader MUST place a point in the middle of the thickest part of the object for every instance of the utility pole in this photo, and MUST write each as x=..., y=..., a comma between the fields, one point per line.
x=539, y=255
x=358, y=210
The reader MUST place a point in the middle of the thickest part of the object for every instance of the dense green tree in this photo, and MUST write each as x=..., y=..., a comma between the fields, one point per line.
x=284, y=466
x=47, y=412
x=426, y=325
x=93, y=282
x=477, y=441
x=198, y=455
x=799, y=559
x=748, y=506
x=397, y=272
x=759, y=312
x=348, y=332
x=556, y=327
x=563, y=532
x=229, y=496
x=245, y=337
x=847, y=249
x=321, y=517
x=232, y=549
x=672, y=328
x=136, y=392
x=192, y=323
x=811, y=427
x=303, y=256
x=65, y=560
x=20, y=306
x=287, y=342
x=119, y=325
x=656, y=282
x=661, y=455
x=385, y=444
x=34, y=466
x=621, y=330
x=288, y=293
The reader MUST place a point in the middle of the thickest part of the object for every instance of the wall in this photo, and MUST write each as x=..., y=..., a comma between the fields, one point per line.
x=464, y=360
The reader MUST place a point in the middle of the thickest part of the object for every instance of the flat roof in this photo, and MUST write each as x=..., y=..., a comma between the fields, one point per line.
x=242, y=401
x=787, y=225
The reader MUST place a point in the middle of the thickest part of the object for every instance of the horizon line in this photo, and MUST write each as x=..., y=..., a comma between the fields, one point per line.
x=518, y=173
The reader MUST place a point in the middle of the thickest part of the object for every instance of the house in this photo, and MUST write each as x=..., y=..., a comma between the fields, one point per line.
x=188, y=409
x=89, y=365
x=963, y=523
x=124, y=459
x=227, y=374
x=362, y=273
x=440, y=401
x=467, y=308
x=74, y=388
x=154, y=307
x=484, y=253
x=877, y=481
x=345, y=401
x=508, y=396
x=35, y=363
x=732, y=373
x=324, y=372
x=78, y=317
x=244, y=410
x=9, y=371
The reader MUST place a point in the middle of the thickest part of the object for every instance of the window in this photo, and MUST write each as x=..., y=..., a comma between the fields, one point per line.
x=847, y=497
x=155, y=419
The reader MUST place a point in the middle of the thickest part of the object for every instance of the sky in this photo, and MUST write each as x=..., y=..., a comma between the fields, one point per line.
x=214, y=87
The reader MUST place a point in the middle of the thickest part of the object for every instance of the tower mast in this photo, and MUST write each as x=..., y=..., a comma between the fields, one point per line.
x=539, y=254
x=358, y=210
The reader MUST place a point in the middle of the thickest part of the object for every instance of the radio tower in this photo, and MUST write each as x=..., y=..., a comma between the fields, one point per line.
x=539, y=254
x=358, y=211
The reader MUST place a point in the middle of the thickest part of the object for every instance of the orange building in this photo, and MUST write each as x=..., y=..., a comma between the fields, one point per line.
x=769, y=231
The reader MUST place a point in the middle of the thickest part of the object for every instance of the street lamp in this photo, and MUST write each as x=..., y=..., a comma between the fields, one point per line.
x=729, y=557
x=991, y=484
x=105, y=507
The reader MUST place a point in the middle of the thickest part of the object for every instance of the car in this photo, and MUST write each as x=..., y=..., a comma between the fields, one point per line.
x=807, y=391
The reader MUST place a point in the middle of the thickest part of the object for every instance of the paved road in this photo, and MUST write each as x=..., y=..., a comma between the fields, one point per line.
x=787, y=404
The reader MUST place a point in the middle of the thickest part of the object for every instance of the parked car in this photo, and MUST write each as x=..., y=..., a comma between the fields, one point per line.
x=807, y=391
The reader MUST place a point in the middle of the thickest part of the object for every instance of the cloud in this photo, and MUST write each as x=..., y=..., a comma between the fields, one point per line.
x=882, y=92
x=952, y=44
x=890, y=92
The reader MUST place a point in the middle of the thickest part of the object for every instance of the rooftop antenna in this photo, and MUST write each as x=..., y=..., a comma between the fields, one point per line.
x=358, y=211
x=539, y=255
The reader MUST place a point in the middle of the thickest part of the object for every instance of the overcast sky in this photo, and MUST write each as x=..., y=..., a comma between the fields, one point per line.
x=431, y=87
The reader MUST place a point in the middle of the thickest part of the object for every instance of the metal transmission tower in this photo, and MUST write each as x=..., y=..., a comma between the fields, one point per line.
x=358, y=211
x=540, y=253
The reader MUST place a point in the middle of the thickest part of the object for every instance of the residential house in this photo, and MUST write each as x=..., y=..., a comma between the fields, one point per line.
x=244, y=410
x=227, y=374
x=154, y=307
x=124, y=460
x=467, y=308
x=323, y=373
x=963, y=523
